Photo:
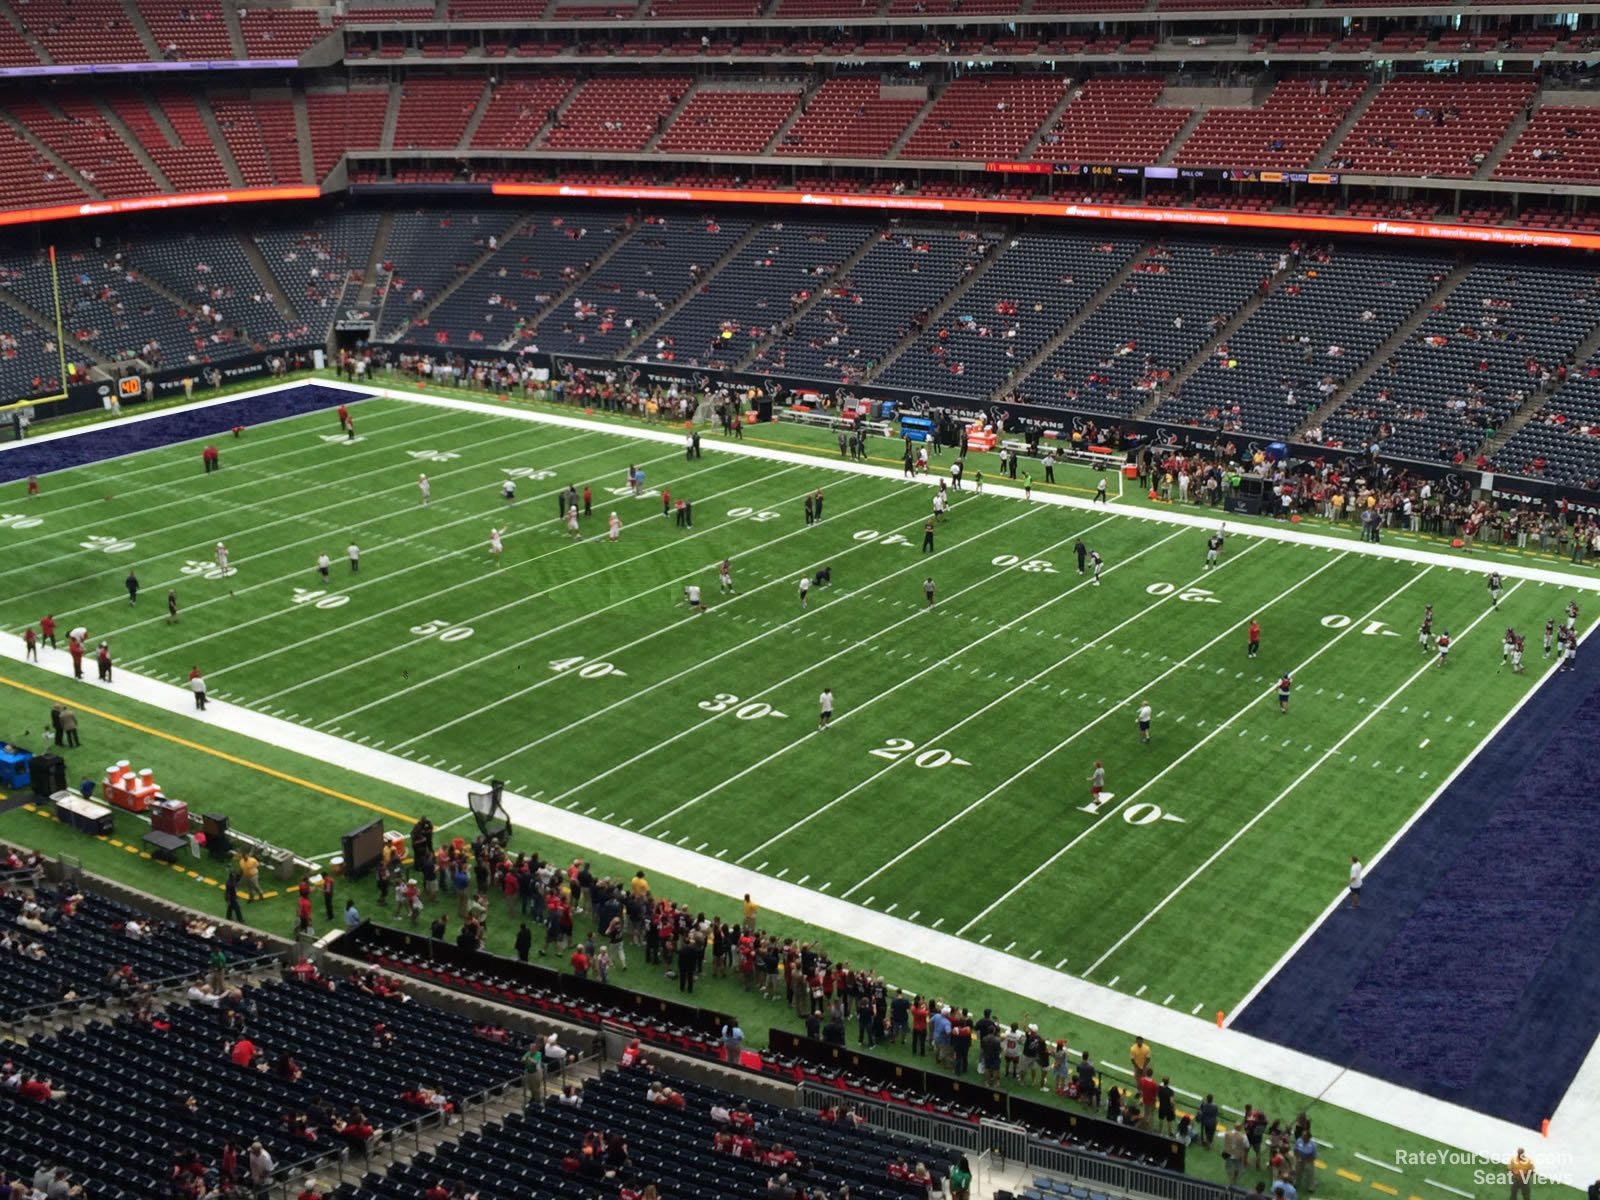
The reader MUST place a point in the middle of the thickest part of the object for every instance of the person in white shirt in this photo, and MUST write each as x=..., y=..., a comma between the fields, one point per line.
x=261, y=1165
x=426, y=488
x=1356, y=879
x=495, y=546
x=323, y=563
x=805, y=588
x=221, y=555
x=824, y=708
x=691, y=593
x=354, y=551
x=1144, y=722
x=508, y=490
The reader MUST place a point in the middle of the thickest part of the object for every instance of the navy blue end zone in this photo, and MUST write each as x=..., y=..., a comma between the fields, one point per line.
x=113, y=439
x=1471, y=971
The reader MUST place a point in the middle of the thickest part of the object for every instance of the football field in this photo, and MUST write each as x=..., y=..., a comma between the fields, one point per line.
x=951, y=787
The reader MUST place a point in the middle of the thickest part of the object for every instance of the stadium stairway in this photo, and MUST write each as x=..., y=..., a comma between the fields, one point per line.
x=235, y=28
x=1043, y=353
x=669, y=119
x=951, y=299
x=706, y=280
x=1220, y=338
x=269, y=283
x=302, y=137
x=219, y=140
x=565, y=294
x=391, y=117
x=1507, y=140
x=1050, y=121
x=8, y=13
x=136, y=21
x=795, y=114
x=140, y=154
x=1456, y=976
x=49, y=155
x=399, y=331
x=842, y=274
x=369, y=276
x=83, y=352
x=464, y=144
x=1386, y=350
x=1321, y=158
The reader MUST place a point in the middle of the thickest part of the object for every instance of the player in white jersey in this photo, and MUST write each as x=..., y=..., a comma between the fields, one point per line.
x=1507, y=645
x=323, y=564
x=1516, y=655
x=572, y=520
x=613, y=527
x=725, y=577
x=938, y=506
x=1096, y=562
x=221, y=555
x=1571, y=660
x=1144, y=721
x=824, y=708
x=691, y=593
x=805, y=588
x=425, y=488
x=494, y=545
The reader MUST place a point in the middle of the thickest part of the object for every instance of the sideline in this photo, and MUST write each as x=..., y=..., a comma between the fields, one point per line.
x=1569, y=1155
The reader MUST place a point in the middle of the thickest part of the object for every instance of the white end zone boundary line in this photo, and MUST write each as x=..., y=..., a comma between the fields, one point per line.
x=1572, y=1154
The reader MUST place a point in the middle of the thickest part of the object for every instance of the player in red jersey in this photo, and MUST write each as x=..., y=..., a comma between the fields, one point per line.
x=47, y=630
x=1254, y=637
x=1444, y=648
x=1284, y=684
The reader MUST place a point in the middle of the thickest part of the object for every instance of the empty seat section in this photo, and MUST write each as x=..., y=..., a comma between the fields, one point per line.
x=849, y=118
x=311, y=265
x=617, y=112
x=1155, y=320
x=14, y=51
x=210, y=271
x=434, y=112
x=341, y=121
x=702, y=10
x=1285, y=133
x=83, y=31
x=239, y=119
x=1320, y=325
x=1002, y=319
x=87, y=143
x=426, y=251
x=856, y=320
x=28, y=179
x=281, y=32
x=517, y=111
x=1476, y=359
x=1560, y=145
x=188, y=29
x=1426, y=126
x=495, y=10
x=190, y=162
x=738, y=308
x=729, y=120
x=500, y=302
x=1562, y=440
x=665, y=257
x=1113, y=120
x=986, y=117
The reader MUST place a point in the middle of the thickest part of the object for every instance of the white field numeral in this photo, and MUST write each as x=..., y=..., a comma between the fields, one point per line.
x=929, y=758
x=318, y=598
x=539, y=473
x=1372, y=629
x=19, y=521
x=754, y=710
x=585, y=669
x=110, y=545
x=1034, y=566
x=210, y=570
x=1143, y=813
x=433, y=455
x=883, y=539
x=753, y=514
x=1192, y=595
x=445, y=631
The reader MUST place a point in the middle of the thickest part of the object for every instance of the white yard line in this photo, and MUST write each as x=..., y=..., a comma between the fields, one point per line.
x=566, y=546
x=1339, y=899
x=700, y=664
x=1023, y=686
x=917, y=615
x=1119, y=707
x=1322, y=759
x=192, y=502
x=1124, y=801
x=361, y=583
x=544, y=633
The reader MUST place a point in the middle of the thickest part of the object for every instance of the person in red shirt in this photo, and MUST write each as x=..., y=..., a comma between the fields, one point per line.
x=33, y=485
x=1149, y=1090
x=30, y=644
x=1255, y=638
x=303, y=915
x=75, y=648
x=666, y=503
x=243, y=1053
x=211, y=459
x=47, y=630
x=580, y=963
x=38, y=1091
x=344, y=416
x=588, y=500
x=228, y=1164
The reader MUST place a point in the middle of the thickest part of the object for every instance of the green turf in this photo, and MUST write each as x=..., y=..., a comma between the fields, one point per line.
x=951, y=787
x=231, y=772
